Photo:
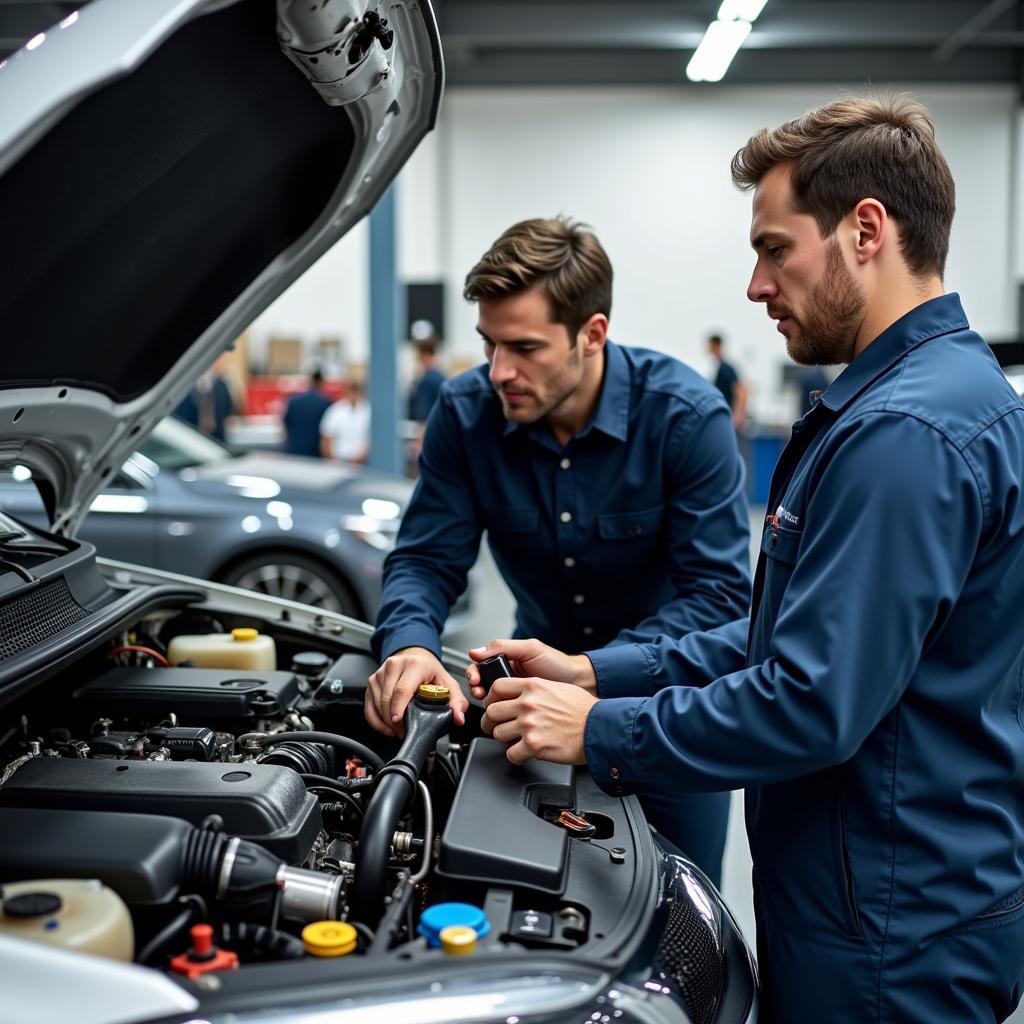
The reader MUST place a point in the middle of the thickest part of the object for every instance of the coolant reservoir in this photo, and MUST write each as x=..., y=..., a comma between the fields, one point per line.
x=246, y=649
x=75, y=914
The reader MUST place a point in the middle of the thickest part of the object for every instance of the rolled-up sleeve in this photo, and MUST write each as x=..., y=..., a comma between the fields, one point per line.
x=890, y=532
x=437, y=543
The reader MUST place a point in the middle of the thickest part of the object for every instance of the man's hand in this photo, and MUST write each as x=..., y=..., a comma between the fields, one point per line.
x=394, y=685
x=532, y=658
x=539, y=718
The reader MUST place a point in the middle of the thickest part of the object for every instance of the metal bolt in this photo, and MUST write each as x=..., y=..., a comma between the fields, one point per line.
x=337, y=686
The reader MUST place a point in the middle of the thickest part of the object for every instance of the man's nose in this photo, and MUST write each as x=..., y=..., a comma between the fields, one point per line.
x=761, y=288
x=503, y=367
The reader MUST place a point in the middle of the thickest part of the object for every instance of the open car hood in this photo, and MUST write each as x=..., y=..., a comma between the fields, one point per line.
x=167, y=169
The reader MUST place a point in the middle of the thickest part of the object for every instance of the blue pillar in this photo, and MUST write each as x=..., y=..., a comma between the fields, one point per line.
x=386, y=319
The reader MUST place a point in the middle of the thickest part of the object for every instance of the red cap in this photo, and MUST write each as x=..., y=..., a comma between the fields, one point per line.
x=204, y=956
x=202, y=939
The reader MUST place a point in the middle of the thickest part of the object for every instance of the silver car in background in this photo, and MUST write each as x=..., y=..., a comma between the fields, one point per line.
x=309, y=530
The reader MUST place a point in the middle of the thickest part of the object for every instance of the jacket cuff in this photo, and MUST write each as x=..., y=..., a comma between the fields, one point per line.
x=623, y=671
x=608, y=745
x=411, y=636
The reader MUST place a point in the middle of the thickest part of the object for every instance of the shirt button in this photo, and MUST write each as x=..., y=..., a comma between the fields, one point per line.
x=588, y=630
x=570, y=562
x=565, y=463
x=566, y=517
x=578, y=599
x=615, y=773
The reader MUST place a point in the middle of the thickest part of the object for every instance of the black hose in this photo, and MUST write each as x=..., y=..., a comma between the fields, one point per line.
x=323, y=782
x=375, y=849
x=257, y=942
x=340, y=743
x=162, y=939
x=425, y=723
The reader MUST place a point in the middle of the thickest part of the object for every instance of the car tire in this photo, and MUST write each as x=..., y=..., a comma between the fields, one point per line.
x=294, y=577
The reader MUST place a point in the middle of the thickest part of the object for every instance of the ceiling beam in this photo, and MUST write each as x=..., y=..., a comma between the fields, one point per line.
x=972, y=28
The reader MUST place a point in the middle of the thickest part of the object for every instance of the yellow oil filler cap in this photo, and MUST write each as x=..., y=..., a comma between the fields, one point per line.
x=329, y=938
x=433, y=691
x=244, y=634
x=458, y=939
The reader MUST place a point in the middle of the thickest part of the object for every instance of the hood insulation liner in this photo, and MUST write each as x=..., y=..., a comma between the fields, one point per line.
x=144, y=213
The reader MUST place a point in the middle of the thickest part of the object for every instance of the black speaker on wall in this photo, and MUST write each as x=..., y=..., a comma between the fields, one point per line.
x=424, y=301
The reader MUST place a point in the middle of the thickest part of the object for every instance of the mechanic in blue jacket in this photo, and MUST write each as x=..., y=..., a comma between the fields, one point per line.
x=873, y=701
x=607, y=478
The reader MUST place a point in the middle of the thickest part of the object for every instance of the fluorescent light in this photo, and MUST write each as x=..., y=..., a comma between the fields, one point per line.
x=740, y=10
x=713, y=56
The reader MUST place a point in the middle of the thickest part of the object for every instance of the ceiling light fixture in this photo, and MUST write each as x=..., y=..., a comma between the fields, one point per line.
x=723, y=38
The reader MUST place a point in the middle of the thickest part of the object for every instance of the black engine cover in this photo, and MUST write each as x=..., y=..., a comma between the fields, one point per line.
x=262, y=802
x=197, y=696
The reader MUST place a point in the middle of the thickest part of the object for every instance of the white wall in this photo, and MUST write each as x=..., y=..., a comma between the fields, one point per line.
x=649, y=170
x=332, y=297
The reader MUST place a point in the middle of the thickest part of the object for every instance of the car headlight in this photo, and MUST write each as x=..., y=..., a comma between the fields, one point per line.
x=377, y=525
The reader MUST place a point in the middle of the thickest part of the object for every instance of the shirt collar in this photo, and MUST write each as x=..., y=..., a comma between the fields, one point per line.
x=929, y=320
x=611, y=414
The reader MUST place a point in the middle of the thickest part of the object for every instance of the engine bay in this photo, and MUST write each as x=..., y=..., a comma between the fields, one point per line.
x=246, y=816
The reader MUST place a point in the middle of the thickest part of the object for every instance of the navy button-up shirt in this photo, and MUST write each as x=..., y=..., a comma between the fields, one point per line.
x=872, y=703
x=636, y=527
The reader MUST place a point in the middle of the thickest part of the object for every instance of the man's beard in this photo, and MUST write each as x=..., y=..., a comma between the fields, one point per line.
x=827, y=333
x=556, y=390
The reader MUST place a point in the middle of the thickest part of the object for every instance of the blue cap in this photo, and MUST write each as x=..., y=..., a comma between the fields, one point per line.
x=438, y=917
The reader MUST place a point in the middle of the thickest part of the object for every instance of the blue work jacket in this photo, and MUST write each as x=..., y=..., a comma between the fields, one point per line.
x=639, y=521
x=873, y=702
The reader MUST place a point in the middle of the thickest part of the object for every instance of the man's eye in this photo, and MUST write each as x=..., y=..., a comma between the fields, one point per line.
x=775, y=251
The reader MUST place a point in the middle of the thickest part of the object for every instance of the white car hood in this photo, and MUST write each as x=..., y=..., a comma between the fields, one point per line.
x=167, y=169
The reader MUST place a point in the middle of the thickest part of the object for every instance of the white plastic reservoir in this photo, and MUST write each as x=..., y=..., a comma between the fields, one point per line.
x=245, y=649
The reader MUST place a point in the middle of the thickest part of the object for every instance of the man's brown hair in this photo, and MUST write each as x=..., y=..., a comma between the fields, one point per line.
x=557, y=255
x=879, y=148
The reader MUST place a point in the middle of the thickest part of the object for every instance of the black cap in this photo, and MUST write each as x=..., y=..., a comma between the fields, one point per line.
x=33, y=904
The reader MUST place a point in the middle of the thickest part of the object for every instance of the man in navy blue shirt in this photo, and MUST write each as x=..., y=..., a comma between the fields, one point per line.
x=871, y=703
x=607, y=479
x=302, y=416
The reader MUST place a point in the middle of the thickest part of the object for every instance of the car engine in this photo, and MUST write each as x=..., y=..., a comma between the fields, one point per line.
x=253, y=816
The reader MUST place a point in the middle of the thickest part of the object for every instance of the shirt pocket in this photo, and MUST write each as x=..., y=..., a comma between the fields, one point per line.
x=511, y=529
x=780, y=544
x=630, y=525
x=631, y=542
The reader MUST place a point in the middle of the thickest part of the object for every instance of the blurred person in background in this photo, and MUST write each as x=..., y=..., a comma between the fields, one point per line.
x=345, y=427
x=302, y=417
x=428, y=383
x=423, y=396
x=728, y=381
x=209, y=404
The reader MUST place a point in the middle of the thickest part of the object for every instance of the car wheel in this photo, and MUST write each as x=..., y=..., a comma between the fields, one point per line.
x=296, y=578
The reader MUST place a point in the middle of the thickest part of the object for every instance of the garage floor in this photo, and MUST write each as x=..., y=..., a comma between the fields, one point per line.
x=491, y=618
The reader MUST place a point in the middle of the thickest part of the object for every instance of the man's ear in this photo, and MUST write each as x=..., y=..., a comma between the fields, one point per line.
x=593, y=334
x=872, y=228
